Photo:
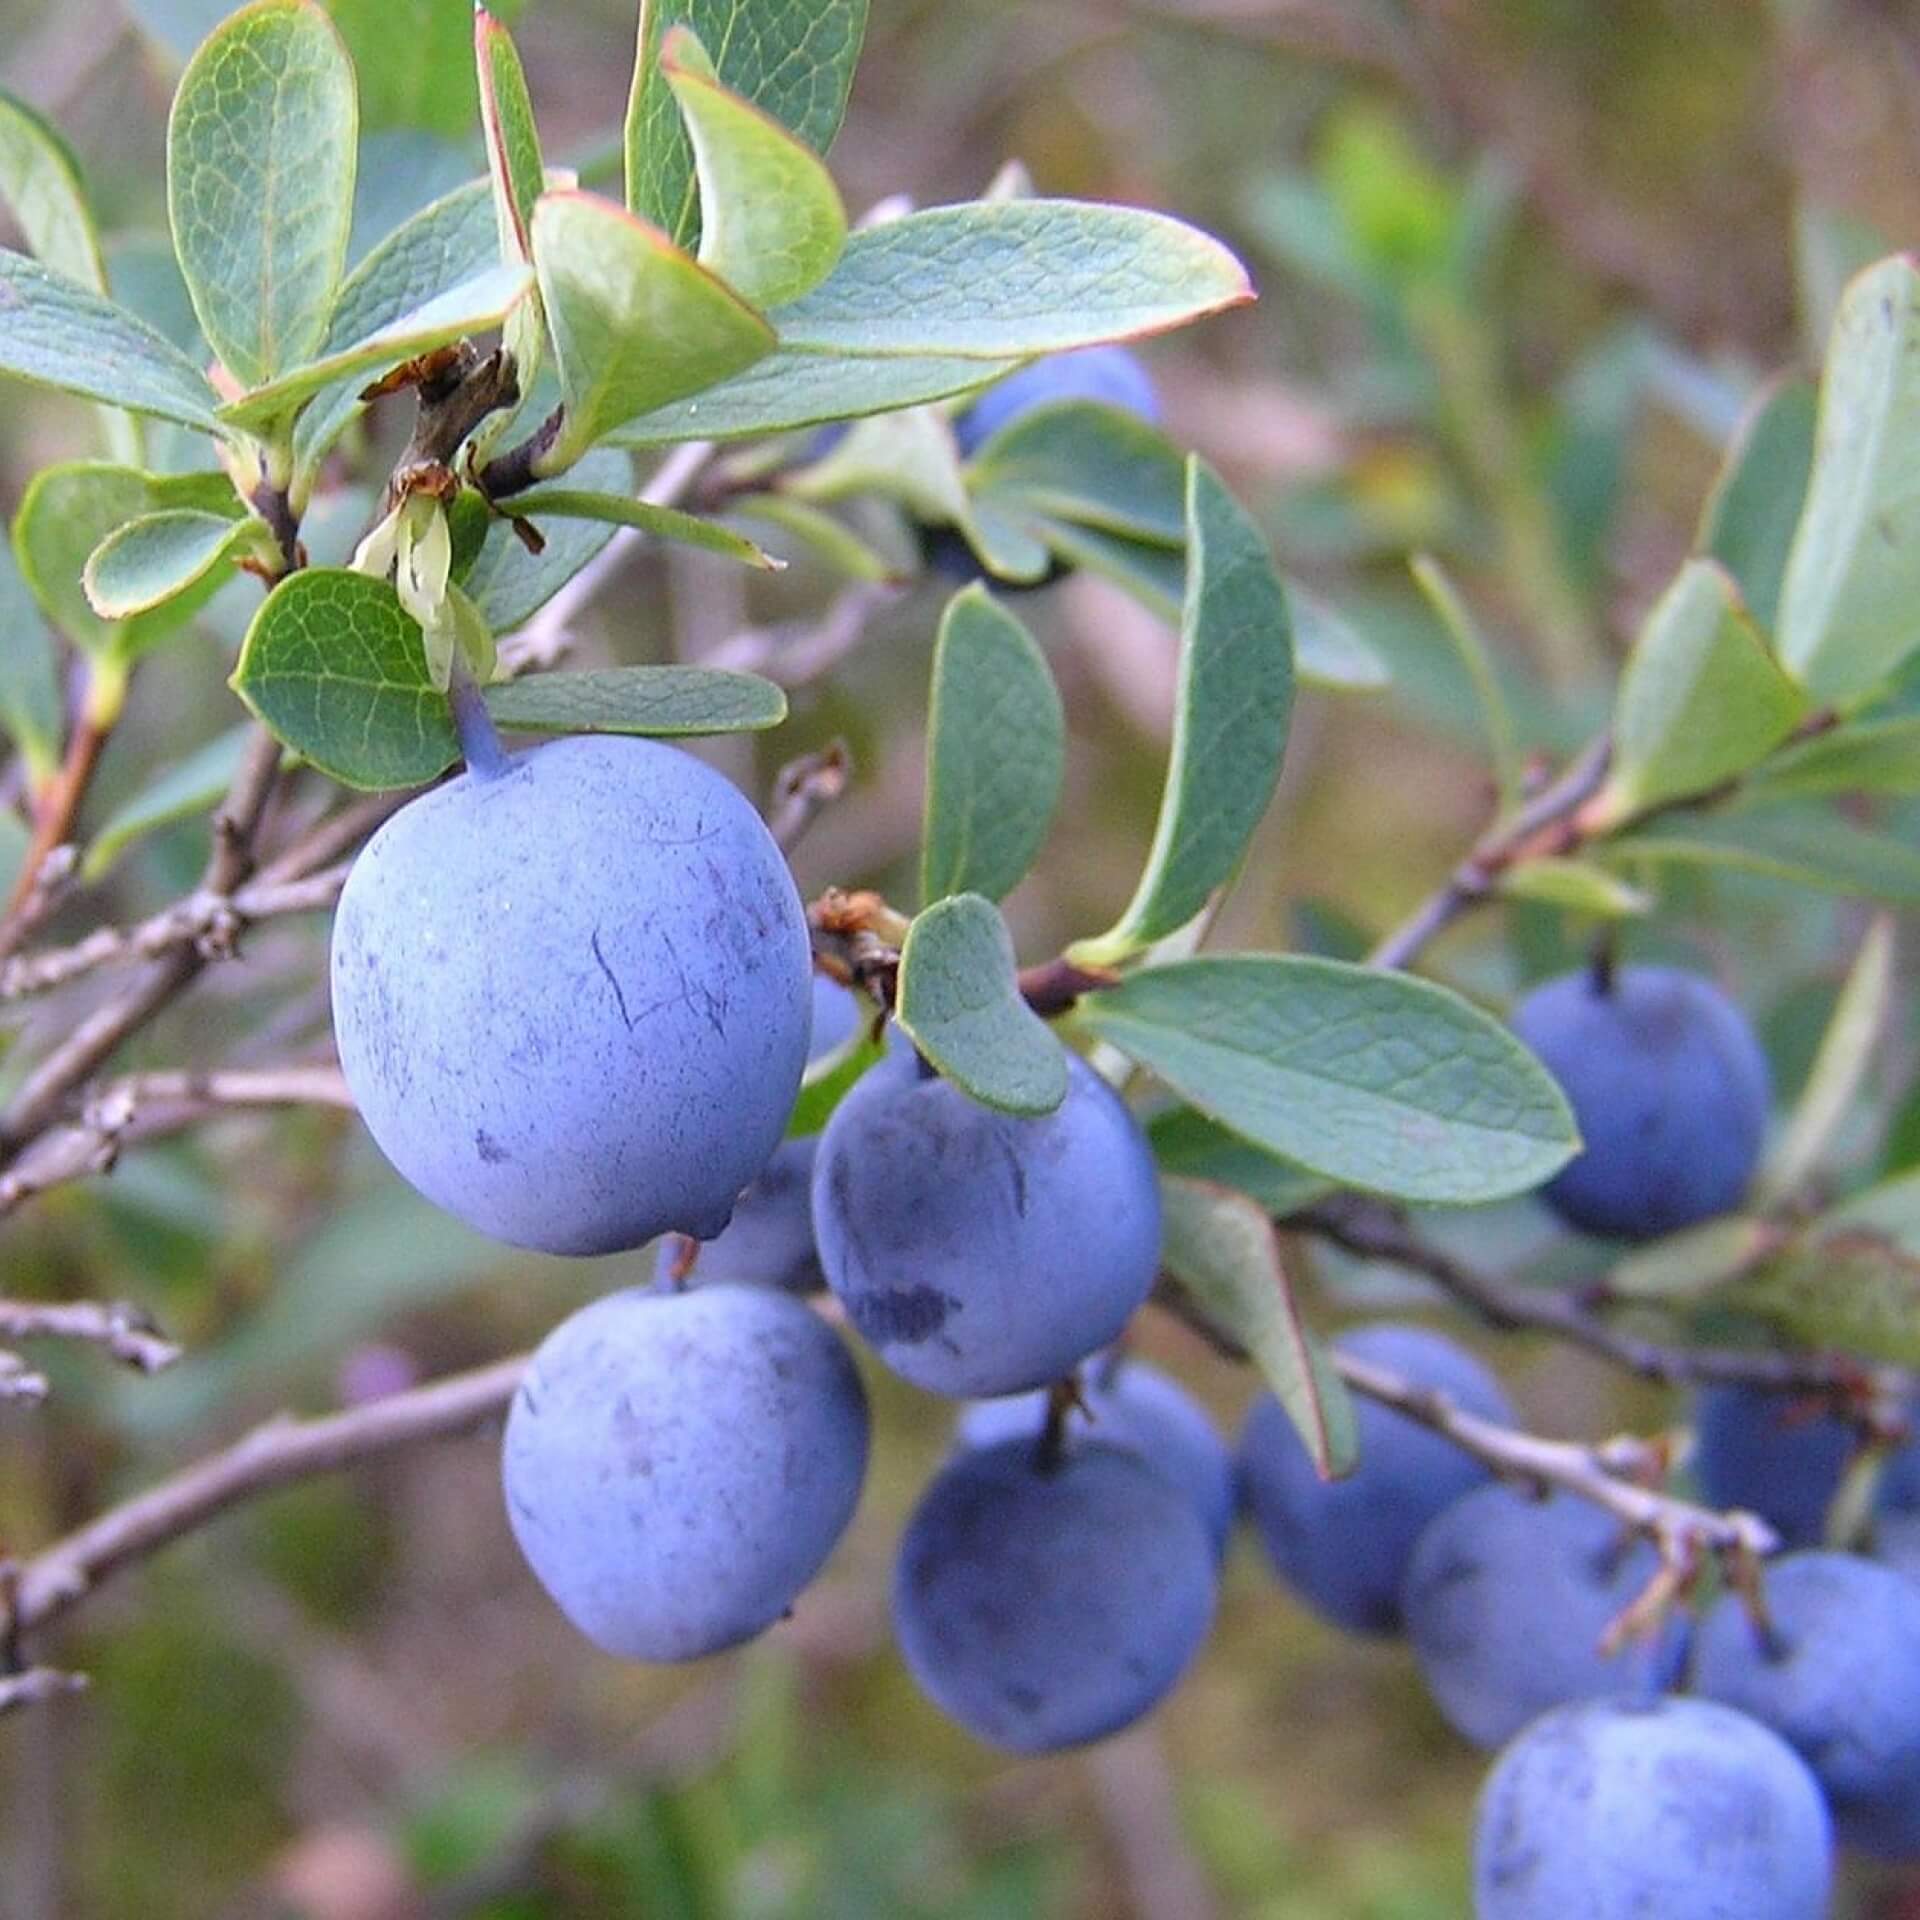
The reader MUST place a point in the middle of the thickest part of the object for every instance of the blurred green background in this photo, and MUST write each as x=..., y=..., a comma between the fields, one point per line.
x=1523, y=263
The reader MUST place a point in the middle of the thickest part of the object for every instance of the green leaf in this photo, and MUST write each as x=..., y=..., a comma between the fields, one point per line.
x=70, y=509
x=30, y=704
x=260, y=163
x=960, y=1003
x=336, y=668
x=56, y=334
x=181, y=792
x=1848, y=1050
x=40, y=181
x=622, y=510
x=1329, y=651
x=509, y=585
x=1863, y=756
x=666, y=702
x=1155, y=576
x=1789, y=841
x=446, y=244
x=1576, y=886
x=1701, y=700
x=1097, y=465
x=832, y=542
x=794, y=59
x=1186, y=1142
x=771, y=222
x=1230, y=721
x=1020, y=277
x=415, y=61
x=996, y=752
x=513, y=140
x=1756, y=501
x=149, y=561
x=820, y=1095
x=786, y=392
x=1853, y=575
x=1476, y=658
x=1374, y=1080
x=1694, y=1262
x=476, y=306
x=1220, y=1246
x=635, y=322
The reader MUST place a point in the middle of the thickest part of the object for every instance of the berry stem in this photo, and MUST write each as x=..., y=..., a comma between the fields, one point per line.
x=480, y=744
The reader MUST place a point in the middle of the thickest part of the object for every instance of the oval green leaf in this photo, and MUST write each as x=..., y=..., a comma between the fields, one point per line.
x=261, y=149
x=159, y=556
x=513, y=139
x=996, y=752
x=635, y=322
x=665, y=702
x=959, y=1000
x=1077, y=460
x=1756, y=501
x=1374, y=1080
x=1230, y=720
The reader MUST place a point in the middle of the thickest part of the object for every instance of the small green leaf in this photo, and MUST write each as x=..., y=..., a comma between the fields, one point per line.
x=635, y=322
x=476, y=306
x=1188, y=1143
x=153, y=559
x=1789, y=841
x=415, y=61
x=1848, y=1050
x=1853, y=574
x=832, y=542
x=793, y=59
x=1701, y=700
x=56, y=334
x=666, y=702
x=446, y=244
x=1097, y=465
x=1329, y=651
x=1371, y=1079
x=261, y=149
x=1230, y=721
x=1021, y=277
x=513, y=140
x=960, y=1004
x=771, y=222
x=1756, y=501
x=1863, y=756
x=788, y=391
x=335, y=667
x=1476, y=657
x=30, y=705
x=819, y=1096
x=70, y=509
x=996, y=752
x=1577, y=886
x=1155, y=576
x=1694, y=1262
x=622, y=510
x=181, y=792
x=1220, y=1246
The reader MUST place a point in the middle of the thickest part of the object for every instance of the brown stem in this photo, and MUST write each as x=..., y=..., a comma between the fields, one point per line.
x=58, y=808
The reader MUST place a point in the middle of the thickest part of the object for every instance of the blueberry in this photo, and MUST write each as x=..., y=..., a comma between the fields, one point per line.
x=1343, y=1545
x=1766, y=1453
x=836, y=1017
x=571, y=997
x=1669, y=1087
x=1838, y=1678
x=678, y=1466
x=1111, y=375
x=1665, y=1809
x=1506, y=1600
x=1137, y=1408
x=980, y=1252
x=769, y=1240
x=1046, y=1608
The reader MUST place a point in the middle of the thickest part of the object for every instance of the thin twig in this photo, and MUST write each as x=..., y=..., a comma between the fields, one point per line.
x=36, y=1684
x=803, y=788
x=274, y=1455
x=125, y=1331
x=49, y=861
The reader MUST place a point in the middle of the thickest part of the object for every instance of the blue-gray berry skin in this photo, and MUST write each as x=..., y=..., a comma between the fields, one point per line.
x=1838, y=1680
x=572, y=999
x=1139, y=1409
x=1343, y=1545
x=1043, y=1609
x=1506, y=1600
x=677, y=1467
x=1770, y=1454
x=1670, y=1089
x=836, y=1013
x=1664, y=1809
x=978, y=1252
x=1112, y=375
x=769, y=1240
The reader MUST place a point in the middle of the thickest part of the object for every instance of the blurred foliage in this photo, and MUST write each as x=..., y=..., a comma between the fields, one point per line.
x=1524, y=264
